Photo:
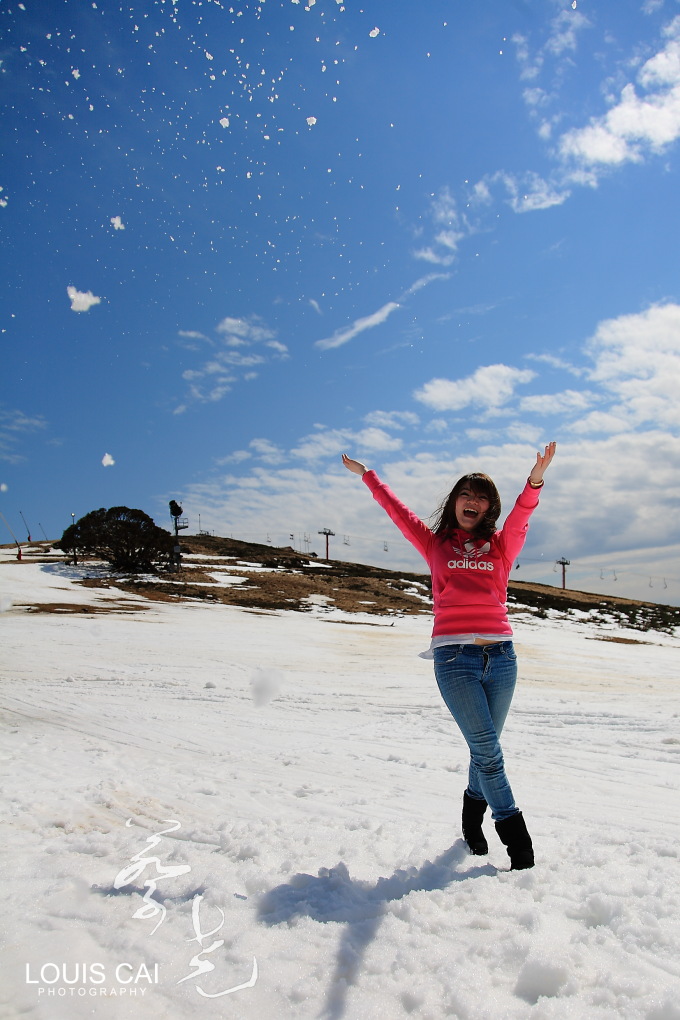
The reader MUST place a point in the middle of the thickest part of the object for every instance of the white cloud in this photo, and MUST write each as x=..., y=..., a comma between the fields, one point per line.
x=277, y=346
x=529, y=192
x=445, y=208
x=81, y=301
x=481, y=193
x=490, y=386
x=450, y=239
x=562, y=40
x=555, y=362
x=636, y=124
x=423, y=281
x=637, y=362
x=342, y=336
x=392, y=419
x=451, y=228
x=428, y=254
x=535, y=97
x=14, y=425
x=267, y=451
x=117, y=223
x=599, y=423
x=566, y=402
x=237, y=457
x=193, y=334
x=233, y=351
x=332, y=442
x=234, y=359
x=563, y=31
x=107, y=460
x=530, y=69
x=250, y=330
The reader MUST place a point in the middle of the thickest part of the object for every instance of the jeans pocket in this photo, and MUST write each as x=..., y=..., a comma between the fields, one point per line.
x=446, y=654
x=510, y=653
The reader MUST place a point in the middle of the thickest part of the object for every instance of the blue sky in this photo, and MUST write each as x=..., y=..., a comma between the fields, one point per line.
x=244, y=237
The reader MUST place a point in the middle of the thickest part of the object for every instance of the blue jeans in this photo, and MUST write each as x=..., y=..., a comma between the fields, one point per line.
x=477, y=683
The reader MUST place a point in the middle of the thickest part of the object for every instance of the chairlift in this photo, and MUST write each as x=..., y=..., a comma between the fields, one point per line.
x=386, y=548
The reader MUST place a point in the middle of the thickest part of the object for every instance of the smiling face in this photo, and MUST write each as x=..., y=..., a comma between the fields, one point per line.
x=472, y=505
x=470, y=508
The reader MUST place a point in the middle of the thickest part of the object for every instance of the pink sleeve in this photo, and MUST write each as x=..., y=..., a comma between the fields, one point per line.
x=411, y=527
x=516, y=525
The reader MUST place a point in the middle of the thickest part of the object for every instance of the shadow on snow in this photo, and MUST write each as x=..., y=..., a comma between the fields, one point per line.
x=360, y=905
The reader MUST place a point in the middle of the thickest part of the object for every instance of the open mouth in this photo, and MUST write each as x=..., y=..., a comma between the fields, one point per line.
x=470, y=514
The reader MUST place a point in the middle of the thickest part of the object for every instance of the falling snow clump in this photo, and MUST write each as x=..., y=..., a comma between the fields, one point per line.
x=265, y=685
x=81, y=301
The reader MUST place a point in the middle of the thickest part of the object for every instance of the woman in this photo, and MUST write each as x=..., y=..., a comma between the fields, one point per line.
x=474, y=659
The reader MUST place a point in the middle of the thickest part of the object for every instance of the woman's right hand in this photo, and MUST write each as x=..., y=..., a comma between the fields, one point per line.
x=355, y=466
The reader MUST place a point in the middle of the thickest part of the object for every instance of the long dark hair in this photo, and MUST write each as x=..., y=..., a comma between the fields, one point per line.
x=481, y=485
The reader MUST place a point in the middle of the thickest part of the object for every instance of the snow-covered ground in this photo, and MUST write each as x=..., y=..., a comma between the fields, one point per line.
x=291, y=786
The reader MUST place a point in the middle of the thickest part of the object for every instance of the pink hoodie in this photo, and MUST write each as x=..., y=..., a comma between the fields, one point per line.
x=469, y=577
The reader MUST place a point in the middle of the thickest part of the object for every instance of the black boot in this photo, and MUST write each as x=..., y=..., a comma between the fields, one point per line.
x=513, y=832
x=473, y=812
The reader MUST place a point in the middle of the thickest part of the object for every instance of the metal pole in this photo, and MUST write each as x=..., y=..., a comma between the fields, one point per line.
x=327, y=532
x=564, y=564
x=75, y=552
x=28, y=530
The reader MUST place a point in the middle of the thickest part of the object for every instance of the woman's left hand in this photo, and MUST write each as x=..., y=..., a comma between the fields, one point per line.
x=542, y=462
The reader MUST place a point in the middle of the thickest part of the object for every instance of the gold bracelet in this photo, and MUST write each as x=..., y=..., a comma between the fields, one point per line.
x=535, y=485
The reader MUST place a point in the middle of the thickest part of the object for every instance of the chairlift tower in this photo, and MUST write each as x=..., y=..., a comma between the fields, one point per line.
x=564, y=564
x=327, y=532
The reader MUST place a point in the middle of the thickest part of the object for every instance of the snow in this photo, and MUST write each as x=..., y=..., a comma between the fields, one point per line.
x=291, y=784
x=81, y=301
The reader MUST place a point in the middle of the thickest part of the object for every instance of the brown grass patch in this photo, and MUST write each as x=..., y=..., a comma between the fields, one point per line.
x=80, y=608
x=272, y=590
x=620, y=640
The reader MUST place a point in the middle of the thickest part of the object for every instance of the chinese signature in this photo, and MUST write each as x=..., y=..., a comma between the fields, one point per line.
x=152, y=907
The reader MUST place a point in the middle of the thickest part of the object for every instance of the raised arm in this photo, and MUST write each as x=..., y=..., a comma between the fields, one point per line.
x=516, y=523
x=541, y=465
x=411, y=527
